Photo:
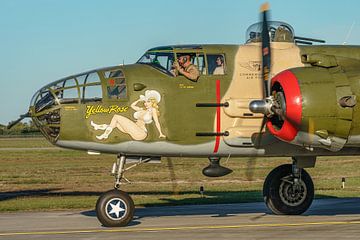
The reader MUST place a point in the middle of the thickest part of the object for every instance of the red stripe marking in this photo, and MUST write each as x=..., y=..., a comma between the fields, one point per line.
x=218, y=126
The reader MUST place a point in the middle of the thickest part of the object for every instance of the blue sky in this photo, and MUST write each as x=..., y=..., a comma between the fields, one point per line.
x=44, y=40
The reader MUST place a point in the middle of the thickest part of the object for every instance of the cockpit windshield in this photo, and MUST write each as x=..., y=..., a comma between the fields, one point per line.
x=278, y=32
x=162, y=61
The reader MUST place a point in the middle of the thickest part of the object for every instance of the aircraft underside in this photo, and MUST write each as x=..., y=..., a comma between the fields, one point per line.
x=138, y=148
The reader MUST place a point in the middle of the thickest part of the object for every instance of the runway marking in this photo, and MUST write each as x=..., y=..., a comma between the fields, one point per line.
x=179, y=228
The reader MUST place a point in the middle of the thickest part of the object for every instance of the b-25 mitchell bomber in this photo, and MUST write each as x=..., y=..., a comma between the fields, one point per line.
x=275, y=95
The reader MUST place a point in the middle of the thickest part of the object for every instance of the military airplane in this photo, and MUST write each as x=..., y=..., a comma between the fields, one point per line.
x=305, y=95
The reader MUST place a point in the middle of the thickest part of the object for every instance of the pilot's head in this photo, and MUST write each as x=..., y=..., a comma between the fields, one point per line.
x=219, y=61
x=184, y=59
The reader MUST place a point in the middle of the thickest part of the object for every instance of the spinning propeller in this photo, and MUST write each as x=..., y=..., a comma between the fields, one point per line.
x=262, y=106
x=273, y=103
x=281, y=103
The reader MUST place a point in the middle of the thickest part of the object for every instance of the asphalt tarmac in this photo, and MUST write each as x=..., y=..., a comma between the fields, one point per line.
x=326, y=219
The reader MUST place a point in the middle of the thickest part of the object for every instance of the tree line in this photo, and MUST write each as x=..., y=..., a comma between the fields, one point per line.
x=22, y=128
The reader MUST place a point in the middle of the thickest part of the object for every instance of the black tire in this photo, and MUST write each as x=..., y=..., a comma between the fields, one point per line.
x=124, y=206
x=277, y=193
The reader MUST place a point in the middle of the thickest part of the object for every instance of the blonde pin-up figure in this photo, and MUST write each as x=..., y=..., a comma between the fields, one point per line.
x=136, y=129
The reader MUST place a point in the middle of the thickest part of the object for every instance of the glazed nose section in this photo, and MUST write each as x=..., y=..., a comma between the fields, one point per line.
x=45, y=112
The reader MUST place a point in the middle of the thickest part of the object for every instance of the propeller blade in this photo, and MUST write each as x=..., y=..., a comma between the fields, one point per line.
x=13, y=123
x=258, y=138
x=265, y=50
x=250, y=167
x=266, y=66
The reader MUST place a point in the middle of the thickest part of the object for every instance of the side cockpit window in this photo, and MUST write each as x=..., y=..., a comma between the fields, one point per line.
x=199, y=62
x=216, y=64
x=163, y=61
x=115, y=84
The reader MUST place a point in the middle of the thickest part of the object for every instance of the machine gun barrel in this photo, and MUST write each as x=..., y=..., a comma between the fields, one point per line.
x=13, y=123
x=309, y=39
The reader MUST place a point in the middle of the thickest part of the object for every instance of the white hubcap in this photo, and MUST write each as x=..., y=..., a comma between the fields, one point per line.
x=115, y=209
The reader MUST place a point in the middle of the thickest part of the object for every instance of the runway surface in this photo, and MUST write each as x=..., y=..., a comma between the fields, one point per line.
x=326, y=219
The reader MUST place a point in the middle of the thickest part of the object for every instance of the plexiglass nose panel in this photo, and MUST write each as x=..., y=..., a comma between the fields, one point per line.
x=47, y=102
x=45, y=112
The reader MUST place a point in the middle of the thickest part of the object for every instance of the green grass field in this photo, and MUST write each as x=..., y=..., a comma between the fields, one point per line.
x=57, y=179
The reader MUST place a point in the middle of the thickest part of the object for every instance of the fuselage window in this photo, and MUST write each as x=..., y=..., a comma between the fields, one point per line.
x=92, y=78
x=216, y=64
x=92, y=90
x=70, y=94
x=116, y=85
x=92, y=93
x=81, y=79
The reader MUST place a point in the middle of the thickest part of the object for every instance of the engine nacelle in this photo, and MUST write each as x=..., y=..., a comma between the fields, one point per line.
x=319, y=105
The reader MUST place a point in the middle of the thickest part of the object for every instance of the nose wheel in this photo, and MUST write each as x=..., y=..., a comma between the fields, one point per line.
x=115, y=208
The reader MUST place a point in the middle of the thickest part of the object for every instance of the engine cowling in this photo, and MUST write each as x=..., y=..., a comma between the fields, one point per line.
x=318, y=107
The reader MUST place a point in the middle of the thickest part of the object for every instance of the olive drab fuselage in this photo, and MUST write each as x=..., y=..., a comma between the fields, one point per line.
x=305, y=95
x=325, y=74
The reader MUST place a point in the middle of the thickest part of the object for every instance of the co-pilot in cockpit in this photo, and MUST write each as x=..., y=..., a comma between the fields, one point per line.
x=278, y=32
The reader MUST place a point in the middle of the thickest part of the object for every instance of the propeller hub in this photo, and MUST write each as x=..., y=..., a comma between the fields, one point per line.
x=263, y=106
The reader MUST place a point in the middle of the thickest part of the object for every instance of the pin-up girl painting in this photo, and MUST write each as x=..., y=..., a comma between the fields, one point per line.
x=136, y=129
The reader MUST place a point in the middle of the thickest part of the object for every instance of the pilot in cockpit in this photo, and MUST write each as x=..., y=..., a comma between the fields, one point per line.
x=183, y=66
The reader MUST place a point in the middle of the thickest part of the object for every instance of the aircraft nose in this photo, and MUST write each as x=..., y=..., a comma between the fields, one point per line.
x=45, y=112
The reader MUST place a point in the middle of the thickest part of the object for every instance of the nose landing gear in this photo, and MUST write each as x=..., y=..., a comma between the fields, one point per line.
x=115, y=208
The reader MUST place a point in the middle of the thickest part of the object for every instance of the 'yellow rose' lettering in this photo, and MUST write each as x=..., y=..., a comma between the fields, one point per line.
x=93, y=110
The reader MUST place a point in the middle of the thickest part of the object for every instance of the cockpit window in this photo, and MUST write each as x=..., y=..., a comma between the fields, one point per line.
x=160, y=60
x=195, y=58
x=278, y=32
x=199, y=62
x=216, y=64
